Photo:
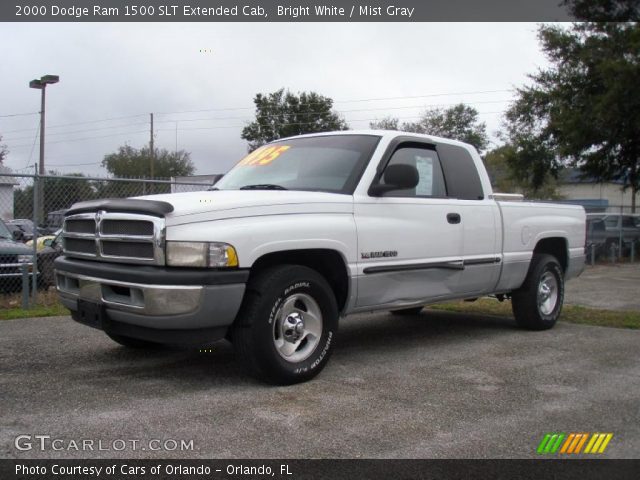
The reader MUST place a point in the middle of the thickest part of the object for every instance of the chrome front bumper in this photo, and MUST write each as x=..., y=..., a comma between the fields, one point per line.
x=140, y=299
x=156, y=307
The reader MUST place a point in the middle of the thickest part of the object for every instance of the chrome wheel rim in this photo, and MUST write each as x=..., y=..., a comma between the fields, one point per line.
x=547, y=293
x=297, y=328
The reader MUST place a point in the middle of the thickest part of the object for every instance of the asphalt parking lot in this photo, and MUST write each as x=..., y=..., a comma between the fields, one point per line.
x=609, y=286
x=432, y=386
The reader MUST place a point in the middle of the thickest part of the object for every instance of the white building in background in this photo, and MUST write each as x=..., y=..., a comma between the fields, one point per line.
x=7, y=183
x=603, y=197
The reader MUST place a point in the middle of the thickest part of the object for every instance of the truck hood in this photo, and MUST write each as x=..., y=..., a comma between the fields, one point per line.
x=218, y=204
x=11, y=247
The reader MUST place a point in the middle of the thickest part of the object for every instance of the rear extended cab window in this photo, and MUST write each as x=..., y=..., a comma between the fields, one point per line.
x=460, y=172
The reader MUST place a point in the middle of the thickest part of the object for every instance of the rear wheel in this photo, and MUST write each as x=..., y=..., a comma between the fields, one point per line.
x=537, y=303
x=407, y=312
x=286, y=327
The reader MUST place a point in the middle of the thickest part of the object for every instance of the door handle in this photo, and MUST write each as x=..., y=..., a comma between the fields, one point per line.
x=453, y=218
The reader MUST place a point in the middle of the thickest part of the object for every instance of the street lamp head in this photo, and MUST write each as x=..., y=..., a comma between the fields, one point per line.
x=44, y=81
x=36, y=84
x=49, y=79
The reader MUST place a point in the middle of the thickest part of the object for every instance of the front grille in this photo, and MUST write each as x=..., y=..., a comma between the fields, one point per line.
x=126, y=227
x=5, y=259
x=80, y=226
x=91, y=235
x=80, y=245
x=128, y=249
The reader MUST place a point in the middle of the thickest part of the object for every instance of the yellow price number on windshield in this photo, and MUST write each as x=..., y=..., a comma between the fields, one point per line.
x=264, y=155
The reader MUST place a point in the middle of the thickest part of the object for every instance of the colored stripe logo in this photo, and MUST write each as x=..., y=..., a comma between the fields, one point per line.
x=573, y=443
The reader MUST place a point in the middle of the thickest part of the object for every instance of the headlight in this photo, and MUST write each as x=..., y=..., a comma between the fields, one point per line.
x=25, y=258
x=201, y=254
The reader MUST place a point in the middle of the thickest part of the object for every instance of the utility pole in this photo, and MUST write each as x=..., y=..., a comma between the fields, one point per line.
x=41, y=84
x=151, y=152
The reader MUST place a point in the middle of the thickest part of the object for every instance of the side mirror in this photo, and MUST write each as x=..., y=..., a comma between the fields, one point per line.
x=396, y=177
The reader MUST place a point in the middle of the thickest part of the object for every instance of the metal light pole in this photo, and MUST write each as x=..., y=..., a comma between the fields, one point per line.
x=41, y=84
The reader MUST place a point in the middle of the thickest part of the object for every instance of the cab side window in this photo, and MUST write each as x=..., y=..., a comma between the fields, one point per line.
x=431, y=183
x=463, y=181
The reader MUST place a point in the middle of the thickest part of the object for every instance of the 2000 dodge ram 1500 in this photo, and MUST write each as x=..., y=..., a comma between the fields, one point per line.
x=306, y=230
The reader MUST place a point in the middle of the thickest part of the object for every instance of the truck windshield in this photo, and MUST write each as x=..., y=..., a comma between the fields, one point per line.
x=328, y=163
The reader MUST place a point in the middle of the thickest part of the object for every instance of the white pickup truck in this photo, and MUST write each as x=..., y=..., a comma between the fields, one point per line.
x=307, y=230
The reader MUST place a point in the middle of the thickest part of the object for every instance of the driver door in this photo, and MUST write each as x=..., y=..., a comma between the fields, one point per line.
x=409, y=241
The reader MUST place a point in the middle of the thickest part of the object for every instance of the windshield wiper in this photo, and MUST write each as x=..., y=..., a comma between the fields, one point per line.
x=263, y=186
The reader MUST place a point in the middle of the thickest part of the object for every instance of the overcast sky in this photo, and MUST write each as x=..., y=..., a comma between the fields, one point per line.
x=111, y=71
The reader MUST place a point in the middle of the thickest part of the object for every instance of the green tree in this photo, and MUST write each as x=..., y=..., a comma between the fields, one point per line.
x=604, y=10
x=583, y=111
x=387, y=123
x=283, y=114
x=59, y=193
x=504, y=179
x=3, y=151
x=459, y=122
x=130, y=162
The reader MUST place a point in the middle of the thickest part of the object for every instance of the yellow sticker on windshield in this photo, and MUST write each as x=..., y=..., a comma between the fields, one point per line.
x=264, y=155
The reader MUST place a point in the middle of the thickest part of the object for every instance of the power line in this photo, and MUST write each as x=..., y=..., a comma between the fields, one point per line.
x=33, y=146
x=19, y=114
x=479, y=92
x=76, y=164
x=336, y=111
x=304, y=123
x=222, y=127
x=73, y=132
x=86, y=138
x=404, y=97
x=80, y=123
x=264, y=116
x=424, y=96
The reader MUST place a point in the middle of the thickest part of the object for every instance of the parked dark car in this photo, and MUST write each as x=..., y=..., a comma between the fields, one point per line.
x=619, y=229
x=12, y=255
x=25, y=225
x=596, y=235
x=54, y=221
x=16, y=232
x=52, y=249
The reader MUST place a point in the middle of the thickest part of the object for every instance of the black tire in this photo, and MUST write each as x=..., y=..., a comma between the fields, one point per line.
x=532, y=310
x=260, y=333
x=407, y=312
x=135, y=343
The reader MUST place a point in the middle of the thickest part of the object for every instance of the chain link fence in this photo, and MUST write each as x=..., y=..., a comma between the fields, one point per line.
x=612, y=237
x=32, y=209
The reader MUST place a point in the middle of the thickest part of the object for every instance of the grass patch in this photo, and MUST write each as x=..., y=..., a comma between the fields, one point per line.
x=570, y=313
x=47, y=305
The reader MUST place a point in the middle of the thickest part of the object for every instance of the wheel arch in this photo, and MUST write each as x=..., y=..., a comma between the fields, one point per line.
x=555, y=246
x=327, y=262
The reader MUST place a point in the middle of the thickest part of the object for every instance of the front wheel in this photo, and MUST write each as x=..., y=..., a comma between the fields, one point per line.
x=286, y=327
x=537, y=303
